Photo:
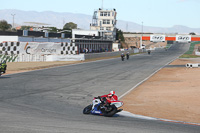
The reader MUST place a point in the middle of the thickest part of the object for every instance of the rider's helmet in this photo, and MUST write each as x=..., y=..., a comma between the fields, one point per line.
x=111, y=93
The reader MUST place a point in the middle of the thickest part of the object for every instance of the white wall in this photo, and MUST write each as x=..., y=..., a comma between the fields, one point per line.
x=8, y=38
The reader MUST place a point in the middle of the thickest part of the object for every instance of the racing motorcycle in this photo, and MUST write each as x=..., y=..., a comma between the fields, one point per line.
x=149, y=51
x=99, y=106
x=122, y=57
x=127, y=56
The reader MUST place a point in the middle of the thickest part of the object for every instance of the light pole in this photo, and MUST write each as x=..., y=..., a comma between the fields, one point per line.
x=142, y=28
x=141, y=37
x=102, y=5
x=13, y=19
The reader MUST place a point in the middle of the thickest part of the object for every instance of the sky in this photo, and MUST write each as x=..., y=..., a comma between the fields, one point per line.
x=156, y=13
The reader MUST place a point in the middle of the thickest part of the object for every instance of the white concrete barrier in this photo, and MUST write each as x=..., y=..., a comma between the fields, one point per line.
x=197, y=52
x=65, y=57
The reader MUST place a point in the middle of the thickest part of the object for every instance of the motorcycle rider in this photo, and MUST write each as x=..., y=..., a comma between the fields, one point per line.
x=110, y=97
x=122, y=56
x=127, y=55
x=3, y=67
x=105, y=99
x=149, y=51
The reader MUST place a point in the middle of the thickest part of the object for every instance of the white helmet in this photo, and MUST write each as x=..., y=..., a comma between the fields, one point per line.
x=111, y=93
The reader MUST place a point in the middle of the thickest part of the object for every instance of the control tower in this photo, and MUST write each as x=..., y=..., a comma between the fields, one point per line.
x=104, y=20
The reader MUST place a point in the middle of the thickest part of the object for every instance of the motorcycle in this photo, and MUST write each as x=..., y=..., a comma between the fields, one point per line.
x=99, y=106
x=149, y=51
x=127, y=56
x=122, y=57
x=3, y=67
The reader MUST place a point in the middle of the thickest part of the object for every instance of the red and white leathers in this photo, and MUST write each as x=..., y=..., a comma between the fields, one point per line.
x=110, y=98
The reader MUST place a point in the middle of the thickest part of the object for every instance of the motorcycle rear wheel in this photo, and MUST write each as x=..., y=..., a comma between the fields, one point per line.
x=87, y=109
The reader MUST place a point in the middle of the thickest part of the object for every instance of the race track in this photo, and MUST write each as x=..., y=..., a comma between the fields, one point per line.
x=52, y=100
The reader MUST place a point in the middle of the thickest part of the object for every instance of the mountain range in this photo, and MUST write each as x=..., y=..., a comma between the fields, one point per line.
x=56, y=19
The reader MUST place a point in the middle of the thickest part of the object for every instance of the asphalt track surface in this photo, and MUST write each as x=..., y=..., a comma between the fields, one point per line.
x=52, y=100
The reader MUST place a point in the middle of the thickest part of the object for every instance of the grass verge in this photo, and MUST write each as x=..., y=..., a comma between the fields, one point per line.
x=189, y=53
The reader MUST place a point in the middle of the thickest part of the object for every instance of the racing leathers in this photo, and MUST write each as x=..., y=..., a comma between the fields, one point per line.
x=110, y=98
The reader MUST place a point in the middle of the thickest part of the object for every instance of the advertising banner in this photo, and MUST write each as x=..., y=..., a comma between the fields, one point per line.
x=183, y=38
x=37, y=48
x=40, y=48
x=157, y=38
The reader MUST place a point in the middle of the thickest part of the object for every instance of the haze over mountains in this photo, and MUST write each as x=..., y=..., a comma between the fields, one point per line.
x=83, y=21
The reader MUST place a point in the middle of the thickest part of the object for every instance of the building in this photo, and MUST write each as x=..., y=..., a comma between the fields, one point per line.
x=104, y=20
x=33, y=36
x=90, y=41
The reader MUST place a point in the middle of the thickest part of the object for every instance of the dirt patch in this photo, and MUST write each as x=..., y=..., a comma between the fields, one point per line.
x=17, y=67
x=172, y=93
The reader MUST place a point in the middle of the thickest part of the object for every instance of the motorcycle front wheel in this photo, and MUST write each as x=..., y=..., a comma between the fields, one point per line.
x=87, y=109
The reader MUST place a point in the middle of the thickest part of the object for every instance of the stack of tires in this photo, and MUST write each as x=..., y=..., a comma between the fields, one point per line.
x=190, y=65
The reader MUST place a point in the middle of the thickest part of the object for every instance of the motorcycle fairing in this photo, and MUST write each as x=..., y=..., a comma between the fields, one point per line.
x=96, y=110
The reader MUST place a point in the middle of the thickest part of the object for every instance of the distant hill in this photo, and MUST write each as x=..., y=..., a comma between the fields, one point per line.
x=83, y=21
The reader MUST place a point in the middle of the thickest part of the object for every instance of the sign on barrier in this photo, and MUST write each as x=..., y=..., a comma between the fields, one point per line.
x=183, y=38
x=157, y=38
x=37, y=51
x=39, y=48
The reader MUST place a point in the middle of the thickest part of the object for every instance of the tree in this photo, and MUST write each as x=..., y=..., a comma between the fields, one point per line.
x=121, y=39
x=70, y=26
x=53, y=29
x=192, y=33
x=4, y=25
x=26, y=27
x=120, y=35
